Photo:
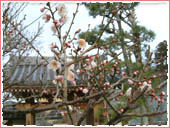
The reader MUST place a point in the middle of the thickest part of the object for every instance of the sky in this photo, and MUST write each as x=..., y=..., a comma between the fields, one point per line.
x=152, y=15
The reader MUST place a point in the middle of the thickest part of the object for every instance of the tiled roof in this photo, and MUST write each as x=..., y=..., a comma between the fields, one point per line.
x=42, y=74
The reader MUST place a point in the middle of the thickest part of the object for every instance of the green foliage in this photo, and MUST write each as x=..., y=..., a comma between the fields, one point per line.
x=161, y=54
x=125, y=87
x=96, y=9
x=136, y=35
x=100, y=9
x=100, y=112
x=143, y=33
x=90, y=36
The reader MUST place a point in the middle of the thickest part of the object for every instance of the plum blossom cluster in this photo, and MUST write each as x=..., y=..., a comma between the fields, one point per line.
x=150, y=91
x=62, y=13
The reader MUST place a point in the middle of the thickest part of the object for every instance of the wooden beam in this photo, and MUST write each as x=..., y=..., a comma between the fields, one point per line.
x=30, y=119
x=39, y=106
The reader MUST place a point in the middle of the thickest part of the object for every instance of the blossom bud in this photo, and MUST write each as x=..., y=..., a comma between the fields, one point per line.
x=55, y=21
x=117, y=98
x=159, y=100
x=162, y=100
x=99, y=68
x=156, y=98
x=74, y=83
x=162, y=93
x=78, y=31
x=152, y=94
x=121, y=94
x=153, y=76
x=135, y=73
x=113, y=40
x=42, y=9
x=121, y=110
x=123, y=74
x=107, y=84
x=140, y=83
x=45, y=92
x=80, y=88
x=149, y=81
x=54, y=93
x=59, y=78
x=159, y=87
x=107, y=46
x=114, y=12
x=47, y=17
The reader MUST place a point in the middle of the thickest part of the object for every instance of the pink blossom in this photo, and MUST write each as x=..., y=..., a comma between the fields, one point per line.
x=54, y=82
x=42, y=9
x=78, y=71
x=123, y=74
x=45, y=92
x=107, y=84
x=80, y=88
x=46, y=17
x=54, y=65
x=156, y=98
x=153, y=76
x=130, y=81
x=117, y=98
x=106, y=46
x=104, y=62
x=162, y=93
x=162, y=100
x=74, y=83
x=59, y=78
x=85, y=90
x=149, y=81
x=121, y=110
x=62, y=113
x=135, y=73
x=62, y=11
x=70, y=76
x=82, y=43
x=129, y=92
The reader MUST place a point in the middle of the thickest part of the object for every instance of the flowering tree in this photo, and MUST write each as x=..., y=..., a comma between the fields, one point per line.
x=123, y=86
x=15, y=39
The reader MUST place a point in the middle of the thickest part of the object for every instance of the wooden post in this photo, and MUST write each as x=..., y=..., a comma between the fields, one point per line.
x=30, y=117
x=30, y=120
x=90, y=117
